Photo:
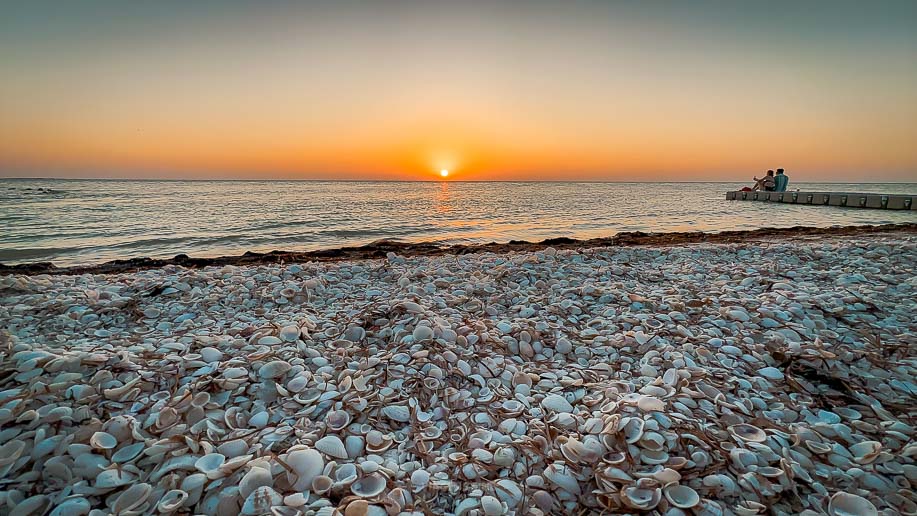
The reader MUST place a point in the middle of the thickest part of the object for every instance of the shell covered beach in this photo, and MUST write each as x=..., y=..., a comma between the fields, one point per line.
x=745, y=378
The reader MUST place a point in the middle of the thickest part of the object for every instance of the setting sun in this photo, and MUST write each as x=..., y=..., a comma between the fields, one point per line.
x=444, y=173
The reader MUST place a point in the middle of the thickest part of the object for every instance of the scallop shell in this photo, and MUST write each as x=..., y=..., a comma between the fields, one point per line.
x=331, y=445
x=377, y=442
x=650, y=404
x=210, y=464
x=556, y=403
x=337, y=420
x=369, y=486
x=274, y=369
x=37, y=504
x=422, y=333
x=103, y=441
x=641, y=498
x=346, y=474
x=666, y=476
x=865, y=452
x=846, y=504
x=171, y=501
x=632, y=427
x=818, y=447
x=491, y=506
x=306, y=465
x=354, y=334
x=748, y=433
x=289, y=333
x=681, y=496
x=562, y=476
x=321, y=484
x=420, y=479
x=132, y=498
x=255, y=477
x=399, y=413
x=261, y=500
x=114, y=477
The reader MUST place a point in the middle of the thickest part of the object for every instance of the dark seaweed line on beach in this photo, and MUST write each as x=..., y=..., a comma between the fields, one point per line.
x=381, y=248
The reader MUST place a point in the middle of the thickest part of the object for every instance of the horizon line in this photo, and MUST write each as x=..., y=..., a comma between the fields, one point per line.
x=310, y=180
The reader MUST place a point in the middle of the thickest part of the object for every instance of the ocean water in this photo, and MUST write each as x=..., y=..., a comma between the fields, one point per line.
x=90, y=221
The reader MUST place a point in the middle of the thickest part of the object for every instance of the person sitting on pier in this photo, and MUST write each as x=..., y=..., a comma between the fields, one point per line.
x=780, y=181
x=766, y=183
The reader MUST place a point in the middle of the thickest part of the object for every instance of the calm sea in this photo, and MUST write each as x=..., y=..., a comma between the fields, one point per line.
x=90, y=221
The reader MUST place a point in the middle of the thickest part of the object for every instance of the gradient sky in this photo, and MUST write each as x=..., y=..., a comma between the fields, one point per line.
x=491, y=90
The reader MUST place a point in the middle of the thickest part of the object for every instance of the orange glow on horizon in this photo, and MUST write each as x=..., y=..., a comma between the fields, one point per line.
x=618, y=92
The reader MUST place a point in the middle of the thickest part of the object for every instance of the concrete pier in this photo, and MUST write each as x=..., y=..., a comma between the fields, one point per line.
x=844, y=199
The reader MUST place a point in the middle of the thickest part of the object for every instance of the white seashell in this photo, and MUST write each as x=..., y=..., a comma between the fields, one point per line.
x=297, y=384
x=296, y=500
x=654, y=456
x=337, y=420
x=750, y=508
x=632, y=428
x=652, y=441
x=504, y=456
x=422, y=333
x=321, y=484
x=771, y=373
x=681, y=496
x=420, y=479
x=255, y=477
x=399, y=413
x=377, y=442
x=259, y=419
x=556, y=403
x=492, y=506
x=103, y=441
x=508, y=492
x=355, y=446
x=114, y=477
x=171, y=501
x=865, y=452
x=331, y=445
x=846, y=504
x=666, y=476
x=641, y=498
x=306, y=464
x=560, y=475
x=72, y=507
x=346, y=474
x=289, y=333
x=261, y=500
x=748, y=433
x=369, y=486
x=274, y=369
x=33, y=505
x=131, y=498
x=650, y=404
x=354, y=334
x=211, y=355
x=411, y=307
x=210, y=464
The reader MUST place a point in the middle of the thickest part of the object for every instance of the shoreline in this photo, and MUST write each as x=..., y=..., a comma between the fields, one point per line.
x=381, y=248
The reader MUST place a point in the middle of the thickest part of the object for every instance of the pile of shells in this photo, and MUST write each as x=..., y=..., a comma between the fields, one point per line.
x=727, y=379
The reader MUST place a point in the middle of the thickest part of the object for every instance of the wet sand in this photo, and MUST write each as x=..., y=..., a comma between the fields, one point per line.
x=382, y=248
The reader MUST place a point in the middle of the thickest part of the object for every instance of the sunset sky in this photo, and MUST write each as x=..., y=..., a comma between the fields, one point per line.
x=493, y=90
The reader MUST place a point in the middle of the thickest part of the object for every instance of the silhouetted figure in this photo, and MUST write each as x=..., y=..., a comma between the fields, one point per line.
x=780, y=181
x=766, y=183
